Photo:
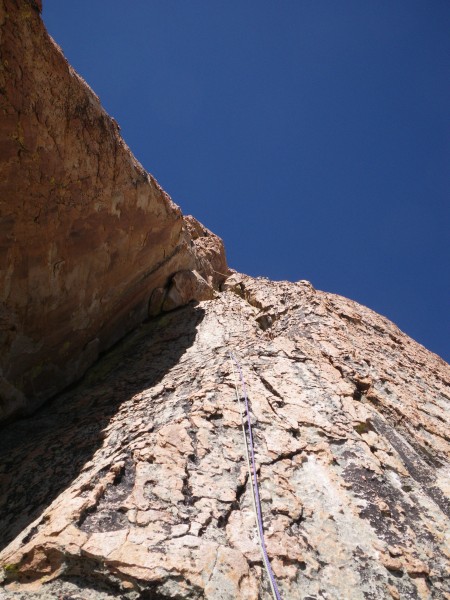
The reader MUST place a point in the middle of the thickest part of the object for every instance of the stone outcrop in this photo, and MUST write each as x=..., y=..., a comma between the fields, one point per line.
x=134, y=484
x=86, y=234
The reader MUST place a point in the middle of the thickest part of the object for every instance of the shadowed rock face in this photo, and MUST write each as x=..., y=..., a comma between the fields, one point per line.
x=134, y=484
x=86, y=234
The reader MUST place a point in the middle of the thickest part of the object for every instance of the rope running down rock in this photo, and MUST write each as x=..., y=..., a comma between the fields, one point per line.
x=252, y=474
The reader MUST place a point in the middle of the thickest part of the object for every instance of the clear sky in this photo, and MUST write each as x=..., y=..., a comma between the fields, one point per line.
x=313, y=136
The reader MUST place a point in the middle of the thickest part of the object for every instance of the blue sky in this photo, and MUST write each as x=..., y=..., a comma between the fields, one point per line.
x=313, y=136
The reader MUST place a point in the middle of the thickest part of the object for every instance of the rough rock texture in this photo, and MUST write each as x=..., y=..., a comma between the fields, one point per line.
x=86, y=234
x=133, y=484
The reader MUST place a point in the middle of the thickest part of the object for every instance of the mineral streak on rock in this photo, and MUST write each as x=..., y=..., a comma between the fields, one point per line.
x=86, y=234
x=134, y=484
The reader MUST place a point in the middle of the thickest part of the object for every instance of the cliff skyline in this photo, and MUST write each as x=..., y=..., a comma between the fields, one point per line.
x=311, y=137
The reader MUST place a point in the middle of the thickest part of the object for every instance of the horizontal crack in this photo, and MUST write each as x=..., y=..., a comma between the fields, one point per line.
x=284, y=456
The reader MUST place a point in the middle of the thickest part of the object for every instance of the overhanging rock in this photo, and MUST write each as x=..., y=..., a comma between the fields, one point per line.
x=86, y=234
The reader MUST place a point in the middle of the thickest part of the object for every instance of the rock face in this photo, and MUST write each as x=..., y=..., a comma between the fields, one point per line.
x=134, y=484
x=86, y=234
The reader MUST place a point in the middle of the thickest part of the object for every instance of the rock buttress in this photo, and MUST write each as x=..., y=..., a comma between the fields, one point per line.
x=86, y=234
x=145, y=493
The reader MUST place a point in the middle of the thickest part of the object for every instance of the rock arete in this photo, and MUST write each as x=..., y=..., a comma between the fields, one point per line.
x=131, y=483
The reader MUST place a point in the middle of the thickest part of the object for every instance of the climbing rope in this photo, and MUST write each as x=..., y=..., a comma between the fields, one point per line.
x=251, y=465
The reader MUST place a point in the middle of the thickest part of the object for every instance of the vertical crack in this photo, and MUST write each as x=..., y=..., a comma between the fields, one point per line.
x=222, y=521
